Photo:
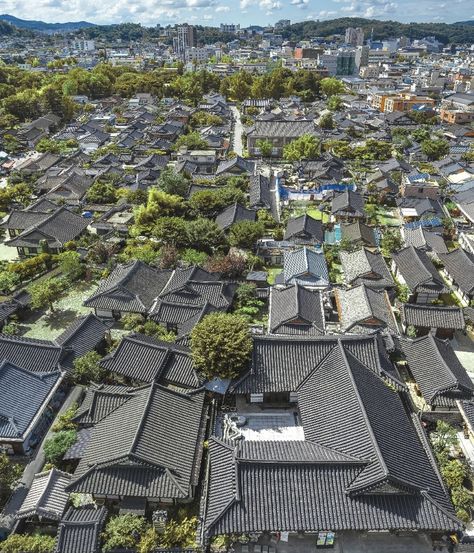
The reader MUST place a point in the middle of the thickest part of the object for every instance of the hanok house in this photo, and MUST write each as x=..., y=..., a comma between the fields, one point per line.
x=338, y=478
x=130, y=288
x=260, y=195
x=348, y=206
x=413, y=268
x=279, y=132
x=80, y=530
x=166, y=363
x=235, y=214
x=26, y=406
x=52, y=232
x=440, y=377
x=147, y=450
x=304, y=230
x=431, y=241
x=366, y=267
x=363, y=310
x=190, y=294
x=47, y=497
x=459, y=270
x=306, y=267
x=440, y=320
x=296, y=310
x=19, y=220
x=359, y=234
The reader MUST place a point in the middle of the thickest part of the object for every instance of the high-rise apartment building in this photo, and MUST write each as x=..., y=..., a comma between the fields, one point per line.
x=354, y=36
x=186, y=37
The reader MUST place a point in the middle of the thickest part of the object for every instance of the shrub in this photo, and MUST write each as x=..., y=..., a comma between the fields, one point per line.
x=221, y=345
x=87, y=368
x=64, y=421
x=19, y=543
x=56, y=446
x=123, y=531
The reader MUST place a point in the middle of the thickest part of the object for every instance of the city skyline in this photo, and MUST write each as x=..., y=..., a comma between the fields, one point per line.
x=244, y=12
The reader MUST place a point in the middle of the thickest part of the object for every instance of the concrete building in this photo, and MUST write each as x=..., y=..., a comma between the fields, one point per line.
x=354, y=36
x=186, y=37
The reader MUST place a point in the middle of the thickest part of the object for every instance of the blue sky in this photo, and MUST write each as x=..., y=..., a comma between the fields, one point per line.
x=245, y=12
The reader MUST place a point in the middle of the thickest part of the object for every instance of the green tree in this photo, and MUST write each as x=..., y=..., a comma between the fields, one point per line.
x=435, y=149
x=35, y=543
x=70, y=265
x=191, y=256
x=102, y=192
x=191, y=141
x=123, y=532
x=331, y=86
x=245, y=234
x=265, y=147
x=170, y=231
x=45, y=292
x=64, y=421
x=8, y=281
x=56, y=446
x=454, y=472
x=173, y=183
x=371, y=211
x=334, y=103
x=221, y=345
x=391, y=242
x=204, y=234
x=10, y=473
x=306, y=146
x=326, y=121
x=87, y=369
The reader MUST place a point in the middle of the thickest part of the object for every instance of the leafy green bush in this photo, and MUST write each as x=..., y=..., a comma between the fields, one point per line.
x=56, y=446
x=87, y=368
x=18, y=543
x=123, y=531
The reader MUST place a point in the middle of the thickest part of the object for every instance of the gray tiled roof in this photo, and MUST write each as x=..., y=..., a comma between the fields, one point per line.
x=423, y=238
x=283, y=129
x=281, y=363
x=82, y=336
x=432, y=316
x=23, y=394
x=305, y=266
x=296, y=310
x=363, y=310
x=460, y=266
x=437, y=370
x=234, y=214
x=304, y=228
x=348, y=202
x=417, y=269
x=47, y=496
x=79, y=530
x=358, y=231
x=130, y=288
x=364, y=266
x=145, y=359
x=364, y=464
x=30, y=353
x=58, y=228
x=148, y=447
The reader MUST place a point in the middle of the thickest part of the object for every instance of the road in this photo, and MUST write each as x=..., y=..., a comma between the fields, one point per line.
x=37, y=462
x=237, y=145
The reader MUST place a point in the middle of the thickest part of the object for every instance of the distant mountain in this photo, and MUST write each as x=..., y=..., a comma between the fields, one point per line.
x=470, y=22
x=457, y=33
x=43, y=27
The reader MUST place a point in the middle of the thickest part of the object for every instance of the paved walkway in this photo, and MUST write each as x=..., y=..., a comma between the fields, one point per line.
x=36, y=464
x=237, y=144
x=463, y=345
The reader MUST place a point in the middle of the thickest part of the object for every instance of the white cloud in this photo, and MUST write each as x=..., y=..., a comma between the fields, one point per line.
x=301, y=4
x=222, y=9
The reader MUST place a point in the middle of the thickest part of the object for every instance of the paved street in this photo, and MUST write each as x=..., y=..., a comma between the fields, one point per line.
x=237, y=144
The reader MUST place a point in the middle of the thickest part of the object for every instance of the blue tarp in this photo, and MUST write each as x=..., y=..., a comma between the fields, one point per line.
x=426, y=223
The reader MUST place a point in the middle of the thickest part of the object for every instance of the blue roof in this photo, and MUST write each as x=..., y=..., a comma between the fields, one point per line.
x=23, y=393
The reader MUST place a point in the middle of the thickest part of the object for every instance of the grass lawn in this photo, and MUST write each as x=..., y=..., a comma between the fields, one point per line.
x=66, y=310
x=386, y=217
x=272, y=273
x=318, y=215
